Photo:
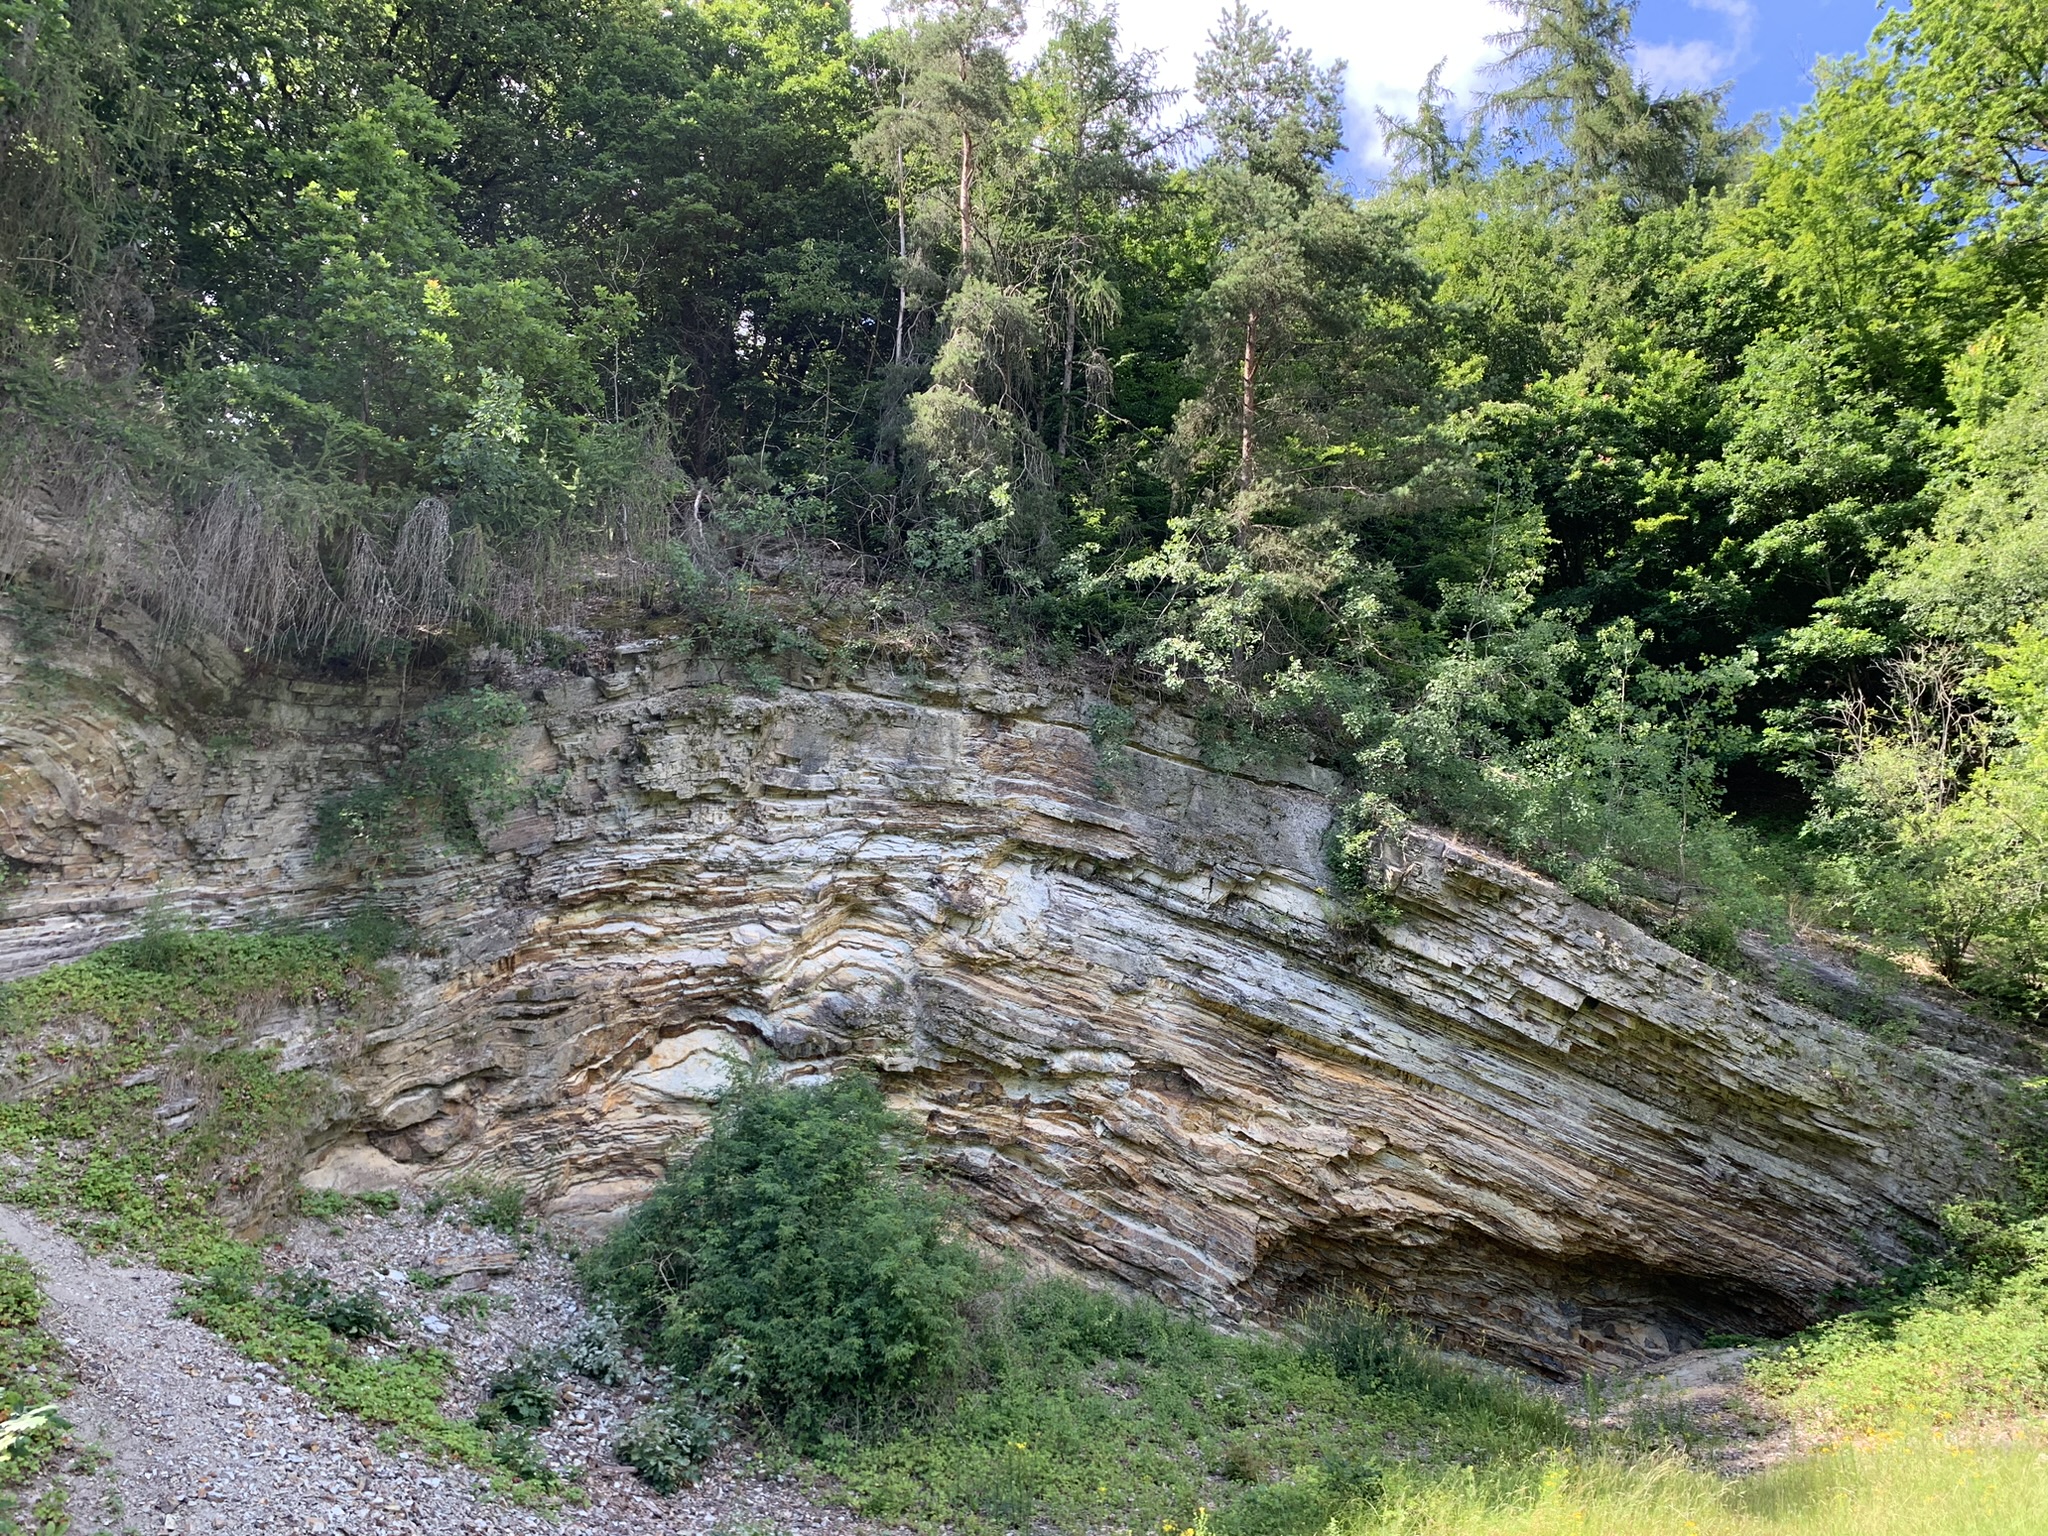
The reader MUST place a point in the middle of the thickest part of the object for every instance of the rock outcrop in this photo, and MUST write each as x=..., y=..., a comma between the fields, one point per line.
x=1108, y=983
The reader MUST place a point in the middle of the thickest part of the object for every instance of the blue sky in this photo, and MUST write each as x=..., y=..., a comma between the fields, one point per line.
x=1765, y=47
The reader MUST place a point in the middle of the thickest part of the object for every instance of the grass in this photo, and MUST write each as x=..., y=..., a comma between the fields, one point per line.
x=1907, y=1488
x=99, y=1152
x=1081, y=1411
x=1932, y=1405
x=1963, y=1348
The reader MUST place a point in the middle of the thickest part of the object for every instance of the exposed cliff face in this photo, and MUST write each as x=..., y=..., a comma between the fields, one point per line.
x=1109, y=989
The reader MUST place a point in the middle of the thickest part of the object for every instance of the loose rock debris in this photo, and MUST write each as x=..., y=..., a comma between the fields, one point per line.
x=198, y=1439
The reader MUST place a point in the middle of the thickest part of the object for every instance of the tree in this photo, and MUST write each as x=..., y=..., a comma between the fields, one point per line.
x=1306, y=344
x=1567, y=67
x=1094, y=115
x=1273, y=119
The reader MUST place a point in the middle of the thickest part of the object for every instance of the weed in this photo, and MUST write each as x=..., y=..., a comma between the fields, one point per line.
x=358, y=1315
x=1245, y=1461
x=497, y=1205
x=517, y=1452
x=49, y=1515
x=523, y=1393
x=670, y=1444
x=597, y=1349
x=325, y=1204
x=32, y=1377
x=21, y=1298
x=473, y=1305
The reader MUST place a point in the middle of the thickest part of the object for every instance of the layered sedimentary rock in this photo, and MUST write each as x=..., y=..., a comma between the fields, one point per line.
x=1109, y=984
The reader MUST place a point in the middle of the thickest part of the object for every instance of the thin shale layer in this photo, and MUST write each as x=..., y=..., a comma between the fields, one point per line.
x=1109, y=985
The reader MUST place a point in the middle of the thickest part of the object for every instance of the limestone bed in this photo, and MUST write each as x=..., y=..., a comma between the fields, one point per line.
x=1110, y=984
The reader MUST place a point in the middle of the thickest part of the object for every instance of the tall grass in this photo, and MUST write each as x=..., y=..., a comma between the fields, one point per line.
x=1897, y=1488
x=1076, y=1411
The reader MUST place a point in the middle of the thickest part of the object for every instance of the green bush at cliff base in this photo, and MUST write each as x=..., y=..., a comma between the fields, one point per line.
x=1899, y=1489
x=793, y=1258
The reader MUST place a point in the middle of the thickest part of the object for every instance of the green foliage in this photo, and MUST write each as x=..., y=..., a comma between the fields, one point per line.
x=21, y=1297
x=1950, y=1360
x=401, y=1388
x=113, y=1035
x=172, y=977
x=454, y=780
x=793, y=1237
x=523, y=1393
x=494, y=1204
x=33, y=1373
x=1596, y=462
x=1078, y=1410
x=597, y=1349
x=359, y=1315
x=670, y=1444
x=1958, y=1342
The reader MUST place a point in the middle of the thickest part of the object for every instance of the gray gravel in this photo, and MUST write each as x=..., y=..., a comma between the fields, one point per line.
x=199, y=1439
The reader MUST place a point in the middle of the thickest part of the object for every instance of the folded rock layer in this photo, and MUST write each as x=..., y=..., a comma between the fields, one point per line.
x=1107, y=982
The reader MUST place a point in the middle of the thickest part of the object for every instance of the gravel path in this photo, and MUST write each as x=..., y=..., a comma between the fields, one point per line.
x=199, y=1439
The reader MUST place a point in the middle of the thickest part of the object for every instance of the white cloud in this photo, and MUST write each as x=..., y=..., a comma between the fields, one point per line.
x=1389, y=45
x=1696, y=65
x=1699, y=64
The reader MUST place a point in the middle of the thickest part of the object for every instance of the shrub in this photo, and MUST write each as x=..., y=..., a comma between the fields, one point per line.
x=669, y=1445
x=794, y=1232
x=455, y=780
x=596, y=1350
x=358, y=1315
x=522, y=1393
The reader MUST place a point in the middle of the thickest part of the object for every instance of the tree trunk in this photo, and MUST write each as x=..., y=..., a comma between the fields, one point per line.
x=966, y=197
x=902, y=261
x=1248, y=399
x=1067, y=367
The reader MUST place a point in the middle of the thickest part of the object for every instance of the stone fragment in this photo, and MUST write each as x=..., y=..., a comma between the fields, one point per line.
x=453, y=1266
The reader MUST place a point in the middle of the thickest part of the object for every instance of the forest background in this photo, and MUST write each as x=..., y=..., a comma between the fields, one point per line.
x=1662, y=509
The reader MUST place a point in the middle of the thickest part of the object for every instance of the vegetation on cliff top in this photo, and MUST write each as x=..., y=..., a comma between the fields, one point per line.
x=1598, y=460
